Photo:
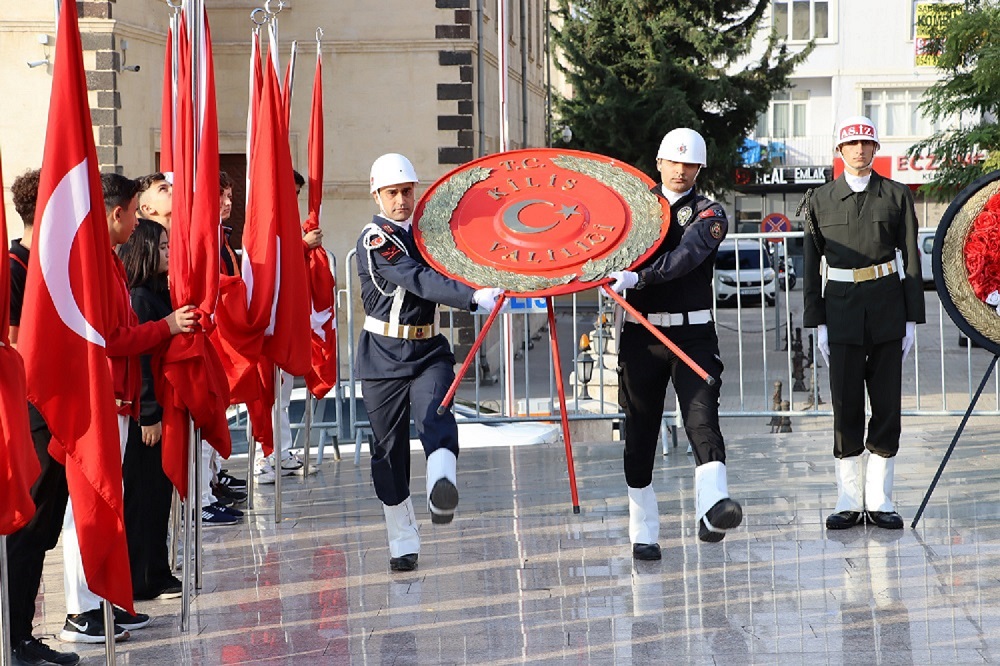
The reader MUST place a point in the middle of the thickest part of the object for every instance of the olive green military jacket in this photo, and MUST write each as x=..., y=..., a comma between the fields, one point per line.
x=855, y=239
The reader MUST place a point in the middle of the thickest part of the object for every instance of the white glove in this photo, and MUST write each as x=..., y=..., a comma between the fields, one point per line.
x=911, y=330
x=623, y=280
x=823, y=343
x=486, y=299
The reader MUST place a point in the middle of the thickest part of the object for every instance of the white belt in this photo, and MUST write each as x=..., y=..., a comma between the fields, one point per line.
x=860, y=274
x=667, y=319
x=402, y=331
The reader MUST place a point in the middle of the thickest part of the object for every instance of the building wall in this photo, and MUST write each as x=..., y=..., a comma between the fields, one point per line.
x=399, y=76
x=869, y=47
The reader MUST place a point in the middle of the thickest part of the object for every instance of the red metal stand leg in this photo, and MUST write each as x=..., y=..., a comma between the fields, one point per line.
x=710, y=380
x=471, y=355
x=563, y=412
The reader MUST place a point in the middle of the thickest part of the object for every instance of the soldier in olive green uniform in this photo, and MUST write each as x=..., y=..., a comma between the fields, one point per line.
x=864, y=294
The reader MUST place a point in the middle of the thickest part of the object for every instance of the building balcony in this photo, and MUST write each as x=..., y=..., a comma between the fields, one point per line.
x=788, y=151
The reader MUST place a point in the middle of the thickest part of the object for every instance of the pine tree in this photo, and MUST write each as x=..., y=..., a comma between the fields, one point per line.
x=969, y=54
x=639, y=68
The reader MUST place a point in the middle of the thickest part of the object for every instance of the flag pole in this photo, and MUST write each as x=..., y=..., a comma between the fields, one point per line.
x=276, y=439
x=507, y=318
x=5, y=646
x=109, y=633
x=189, y=514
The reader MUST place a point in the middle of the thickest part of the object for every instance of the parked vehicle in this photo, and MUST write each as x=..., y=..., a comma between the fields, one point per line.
x=925, y=244
x=783, y=272
x=755, y=278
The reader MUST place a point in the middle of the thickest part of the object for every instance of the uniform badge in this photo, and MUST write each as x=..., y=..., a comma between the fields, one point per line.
x=716, y=230
x=375, y=242
x=711, y=212
x=684, y=215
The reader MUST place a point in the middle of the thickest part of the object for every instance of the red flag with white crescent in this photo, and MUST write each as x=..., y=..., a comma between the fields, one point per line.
x=69, y=307
x=286, y=340
x=191, y=380
x=18, y=463
x=322, y=375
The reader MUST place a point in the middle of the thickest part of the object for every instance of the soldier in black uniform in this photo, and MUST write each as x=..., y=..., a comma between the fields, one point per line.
x=404, y=365
x=862, y=290
x=673, y=290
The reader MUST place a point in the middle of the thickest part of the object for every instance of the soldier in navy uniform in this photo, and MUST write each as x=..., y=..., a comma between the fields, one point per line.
x=673, y=290
x=863, y=292
x=404, y=364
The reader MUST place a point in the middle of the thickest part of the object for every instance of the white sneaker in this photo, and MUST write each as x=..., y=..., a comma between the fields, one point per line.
x=263, y=472
x=290, y=464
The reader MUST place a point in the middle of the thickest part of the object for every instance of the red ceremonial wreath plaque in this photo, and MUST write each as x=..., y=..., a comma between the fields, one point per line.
x=541, y=222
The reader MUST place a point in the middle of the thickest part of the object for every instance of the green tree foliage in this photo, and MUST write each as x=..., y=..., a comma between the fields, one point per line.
x=640, y=68
x=966, y=101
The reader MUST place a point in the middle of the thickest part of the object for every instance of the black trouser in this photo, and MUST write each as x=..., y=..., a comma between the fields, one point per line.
x=147, y=514
x=26, y=548
x=645, y=368
x=880, y=368
x=389, y=403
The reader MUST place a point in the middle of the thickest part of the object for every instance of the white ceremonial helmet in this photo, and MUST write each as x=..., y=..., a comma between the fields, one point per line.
x=853, y=129
x=682, y=145
x=391, y=169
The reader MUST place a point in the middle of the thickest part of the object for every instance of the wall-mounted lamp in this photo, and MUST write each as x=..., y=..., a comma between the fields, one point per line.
x=127, y=68
x=43, y=39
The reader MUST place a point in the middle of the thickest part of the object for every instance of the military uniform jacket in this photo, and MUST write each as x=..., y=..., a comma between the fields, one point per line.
x=678, y=276
x=850, y=238
x=389, y=259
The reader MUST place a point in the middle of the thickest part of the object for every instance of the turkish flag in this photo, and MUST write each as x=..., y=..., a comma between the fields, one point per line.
x=322, y=375
x=70, y=308
x=191, y=379
x=286, y=340
x=167, y=108
x=18, y=462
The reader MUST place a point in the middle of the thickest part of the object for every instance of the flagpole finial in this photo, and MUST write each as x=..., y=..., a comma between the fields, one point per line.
x=267, y=7
x=319, y=35
x=259, y=17
x=175, y=4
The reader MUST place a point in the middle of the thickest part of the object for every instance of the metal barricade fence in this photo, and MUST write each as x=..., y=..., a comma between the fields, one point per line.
x=759, y=323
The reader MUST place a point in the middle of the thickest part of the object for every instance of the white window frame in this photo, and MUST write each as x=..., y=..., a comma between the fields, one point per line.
x=794, y=99
x=913, y=97
x=831, y=21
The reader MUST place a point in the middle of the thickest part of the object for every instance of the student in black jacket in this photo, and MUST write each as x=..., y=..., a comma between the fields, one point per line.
x=147, y=488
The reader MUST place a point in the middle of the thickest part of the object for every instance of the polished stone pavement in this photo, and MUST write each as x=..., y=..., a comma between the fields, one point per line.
x=518, y=578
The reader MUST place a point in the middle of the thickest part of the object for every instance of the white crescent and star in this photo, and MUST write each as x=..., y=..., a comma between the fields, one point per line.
x=512, y=220
x=61, y=220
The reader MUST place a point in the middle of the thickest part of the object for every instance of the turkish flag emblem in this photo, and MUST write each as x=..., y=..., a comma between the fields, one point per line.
x=69, y=307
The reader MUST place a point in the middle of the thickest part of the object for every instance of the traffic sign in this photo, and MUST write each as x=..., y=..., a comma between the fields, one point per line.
x=775, y=223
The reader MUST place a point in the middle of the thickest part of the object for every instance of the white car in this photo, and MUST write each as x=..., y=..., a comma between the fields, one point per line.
x=471, y=433
x=754, y=279
x=925, y=244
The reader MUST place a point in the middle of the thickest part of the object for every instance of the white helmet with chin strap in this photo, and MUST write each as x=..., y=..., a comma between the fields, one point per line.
x=855, y=128
x=682, y=145
x=391, y=169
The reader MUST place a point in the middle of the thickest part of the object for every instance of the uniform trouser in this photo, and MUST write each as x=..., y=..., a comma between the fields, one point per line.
x=79, y=598
x=26, y=548
x=389, y=403
x=646, y=366
x=852, y=367
x=147, y=513
x=287, y=382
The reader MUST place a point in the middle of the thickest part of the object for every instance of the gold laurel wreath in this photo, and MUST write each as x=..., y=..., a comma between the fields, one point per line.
x=980, y=316
x=439, y=239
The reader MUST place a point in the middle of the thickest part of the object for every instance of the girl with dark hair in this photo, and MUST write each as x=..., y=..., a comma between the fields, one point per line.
x=147, y=489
